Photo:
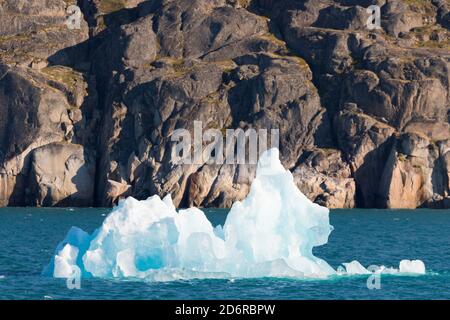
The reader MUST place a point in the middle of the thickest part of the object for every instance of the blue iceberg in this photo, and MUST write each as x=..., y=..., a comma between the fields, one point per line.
x=269, y=234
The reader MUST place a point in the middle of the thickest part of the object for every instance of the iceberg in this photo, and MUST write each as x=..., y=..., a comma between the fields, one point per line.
x=271, y=233
x=412, y=267
x=355, y=268
x=415, y=267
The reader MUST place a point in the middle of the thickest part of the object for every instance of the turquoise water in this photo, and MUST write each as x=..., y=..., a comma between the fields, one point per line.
x=28, y=238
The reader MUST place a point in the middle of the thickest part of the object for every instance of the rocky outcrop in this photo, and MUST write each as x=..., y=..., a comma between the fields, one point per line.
x=40, y=104
x=326, y=179
x=376, y=85
x=416, y=173
x=366, y=143
x=87, y=115
x=61, y=175
x=33, y=33
x=34, y=114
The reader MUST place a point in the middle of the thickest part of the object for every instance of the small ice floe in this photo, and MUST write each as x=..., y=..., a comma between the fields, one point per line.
x=414, y=267
x=354, y=268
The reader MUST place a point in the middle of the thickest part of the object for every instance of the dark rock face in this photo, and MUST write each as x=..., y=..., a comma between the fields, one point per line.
x=87, y=115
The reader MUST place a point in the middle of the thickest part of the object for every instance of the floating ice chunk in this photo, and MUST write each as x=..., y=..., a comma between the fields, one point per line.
x=68, y=254
x=414, y=266
x=271, y=233
x=386, y=270
x=65, y=262
x=354, y=268
x=406, y=267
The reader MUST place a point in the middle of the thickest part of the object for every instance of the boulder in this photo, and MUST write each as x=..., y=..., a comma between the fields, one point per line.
x=313, y=178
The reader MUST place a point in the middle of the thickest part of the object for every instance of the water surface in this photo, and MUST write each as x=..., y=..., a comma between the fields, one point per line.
x=28, y=238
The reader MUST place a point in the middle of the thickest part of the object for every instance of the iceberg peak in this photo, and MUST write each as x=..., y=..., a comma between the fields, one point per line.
x=269, y=163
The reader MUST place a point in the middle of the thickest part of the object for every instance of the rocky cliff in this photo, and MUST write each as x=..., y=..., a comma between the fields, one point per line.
x=86, y=114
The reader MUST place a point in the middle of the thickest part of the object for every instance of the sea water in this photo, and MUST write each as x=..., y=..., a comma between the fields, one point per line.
x=28, y=237
x=274, y=237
